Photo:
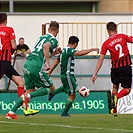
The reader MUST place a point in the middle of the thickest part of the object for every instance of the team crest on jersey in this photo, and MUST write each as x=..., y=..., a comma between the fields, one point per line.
x=13, y=34
x=2, y=33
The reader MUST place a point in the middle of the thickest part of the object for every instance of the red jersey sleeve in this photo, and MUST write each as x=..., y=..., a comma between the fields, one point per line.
x=12, y=34
x=129, y=38
x=103, y=49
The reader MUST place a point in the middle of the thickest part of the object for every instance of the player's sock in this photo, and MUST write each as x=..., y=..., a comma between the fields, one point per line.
x=58, y=90
x=40, y=92
x=17, y=105
x=20, y=91
x=52, y=94
x=122, y=93
x=68, y=105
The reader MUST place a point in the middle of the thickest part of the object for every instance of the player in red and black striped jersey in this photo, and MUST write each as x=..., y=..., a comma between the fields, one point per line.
x=121, y=71
x=7, y=47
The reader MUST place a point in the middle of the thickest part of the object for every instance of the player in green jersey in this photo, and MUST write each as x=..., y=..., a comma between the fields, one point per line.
x=35, y=69
x=66, y=60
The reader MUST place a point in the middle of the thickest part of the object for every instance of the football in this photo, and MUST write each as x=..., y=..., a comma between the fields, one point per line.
x=84, y=91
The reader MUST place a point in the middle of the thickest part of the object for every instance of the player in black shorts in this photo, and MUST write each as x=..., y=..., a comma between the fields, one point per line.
x=7, y=48
x=121, y=71
x=7, y=69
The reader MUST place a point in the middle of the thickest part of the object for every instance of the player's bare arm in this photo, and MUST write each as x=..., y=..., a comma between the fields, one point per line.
x=14, y=45
x=98, y=66
x=46, y=54
x=85, y=51
x=58, y=50
x=54, y=65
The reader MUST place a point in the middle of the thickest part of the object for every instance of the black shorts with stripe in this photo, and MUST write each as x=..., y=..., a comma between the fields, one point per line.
x=122, y=75
x=7, y=69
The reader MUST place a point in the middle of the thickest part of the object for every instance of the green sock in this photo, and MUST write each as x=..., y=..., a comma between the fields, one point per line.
x=58, y=90
x=17, y=105
x=40, y=92
x=68, y=105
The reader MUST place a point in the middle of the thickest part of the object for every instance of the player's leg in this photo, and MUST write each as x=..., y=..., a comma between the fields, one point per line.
x=68, y=104
x=43, y=83
x=70, y=85
x=11, y=114
x=114, y=100
x=20, y=83
x=126, y=82
x=55, y=92
x=125, y=78
x=115, y=79
x=12, y=74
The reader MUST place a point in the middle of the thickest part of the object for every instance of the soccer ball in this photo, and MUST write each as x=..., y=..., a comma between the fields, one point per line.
x=84, y=91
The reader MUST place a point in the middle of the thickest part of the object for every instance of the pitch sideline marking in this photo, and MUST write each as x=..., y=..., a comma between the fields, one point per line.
x=66, y=126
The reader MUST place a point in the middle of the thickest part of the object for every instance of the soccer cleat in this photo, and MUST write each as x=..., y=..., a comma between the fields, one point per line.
x=25, y=101
x=113, y=112
x=113, y=101
x=11, y=116
x=65, y=115
x=51, y=95
x=30, y=112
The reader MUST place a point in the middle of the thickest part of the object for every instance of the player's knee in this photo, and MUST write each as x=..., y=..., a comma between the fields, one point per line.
x=20, y=82
x=72, y=97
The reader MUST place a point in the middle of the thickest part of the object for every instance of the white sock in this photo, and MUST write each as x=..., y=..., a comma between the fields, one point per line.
x=11, y=112
x=28, y=95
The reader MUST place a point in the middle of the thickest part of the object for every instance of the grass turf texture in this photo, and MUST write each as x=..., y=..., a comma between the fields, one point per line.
x=77, y=123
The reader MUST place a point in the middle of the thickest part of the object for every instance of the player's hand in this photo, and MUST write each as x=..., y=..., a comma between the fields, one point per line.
x=58, y=50
x=47, y=66
x=48, y=72
x=94, y=77
x=96, y=49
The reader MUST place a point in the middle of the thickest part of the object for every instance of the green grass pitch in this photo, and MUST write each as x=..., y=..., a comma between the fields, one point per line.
x=77, y=123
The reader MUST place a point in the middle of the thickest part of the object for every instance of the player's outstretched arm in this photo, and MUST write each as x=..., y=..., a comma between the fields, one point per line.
x=98, y=66
x=85, y=51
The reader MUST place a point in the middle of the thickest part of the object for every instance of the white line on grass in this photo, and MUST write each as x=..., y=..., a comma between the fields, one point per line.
x=68, y=126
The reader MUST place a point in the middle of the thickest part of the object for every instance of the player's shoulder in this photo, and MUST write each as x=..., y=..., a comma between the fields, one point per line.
x=8, y=27
x=121, y=35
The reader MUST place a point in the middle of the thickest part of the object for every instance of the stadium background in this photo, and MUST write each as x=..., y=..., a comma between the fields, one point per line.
x=27, y=19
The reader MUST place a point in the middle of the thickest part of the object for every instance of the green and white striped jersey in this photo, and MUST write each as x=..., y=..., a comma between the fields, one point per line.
x=67, y=61
x=37, y=55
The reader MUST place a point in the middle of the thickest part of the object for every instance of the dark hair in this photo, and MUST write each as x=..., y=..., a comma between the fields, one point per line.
x=3, y=17
x=73, y=40
x=111, y=26
x=21, y=38
x=54, y=25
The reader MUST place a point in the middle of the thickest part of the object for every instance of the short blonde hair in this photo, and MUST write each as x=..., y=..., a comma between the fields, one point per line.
x=54, y=25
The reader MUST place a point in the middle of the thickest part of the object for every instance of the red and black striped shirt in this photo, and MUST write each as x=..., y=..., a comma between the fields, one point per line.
x=117, y=46
x=6, y=35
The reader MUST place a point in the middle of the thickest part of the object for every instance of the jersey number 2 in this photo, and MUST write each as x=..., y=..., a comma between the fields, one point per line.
x=118, y=46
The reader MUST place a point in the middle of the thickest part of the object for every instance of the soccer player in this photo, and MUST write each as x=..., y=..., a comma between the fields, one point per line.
x=68, y=79
x=121, y=71
x=7, y=48
x=35, y=68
